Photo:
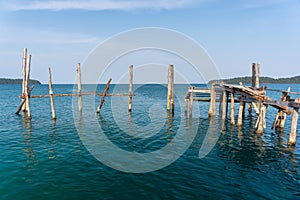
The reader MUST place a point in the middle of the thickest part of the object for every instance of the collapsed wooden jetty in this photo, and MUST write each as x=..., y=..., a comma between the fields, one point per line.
x=256, y=99
x=26, y=90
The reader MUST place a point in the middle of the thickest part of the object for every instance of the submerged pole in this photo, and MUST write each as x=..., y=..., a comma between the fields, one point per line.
x=103, y=95
x=24, y=76
x=51, y=94
x=241, y=111
x=293, y=133
x=26, y=86
x=232, y=121
x=130, y=88
x=170, y=100
x=79, y=88
x=212, y=107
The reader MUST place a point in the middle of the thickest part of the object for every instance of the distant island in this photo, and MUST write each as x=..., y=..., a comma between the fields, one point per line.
x=262, y=80
x=18, y=81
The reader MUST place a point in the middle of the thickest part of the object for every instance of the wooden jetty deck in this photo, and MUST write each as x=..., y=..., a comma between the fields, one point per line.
x=254, y=95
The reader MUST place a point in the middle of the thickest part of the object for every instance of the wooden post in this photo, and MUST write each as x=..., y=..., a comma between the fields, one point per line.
x=224, y=109
x=24, y=76
x=232, y=121
x=79, y=88
x=257, y=75
x=24, y=99
x=191, y=99
x=240, y=116
x=253, y=75
x=103, y=95
x=170, y=87
x=26, y=86
x=280, y=118
x=261, y=121
x=130, y=88
x=224, y=103
x=293, y=133
x=51, y=94
x=212, y=107
x=186, y=102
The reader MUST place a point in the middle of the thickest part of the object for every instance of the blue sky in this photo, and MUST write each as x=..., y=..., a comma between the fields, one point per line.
x=61, y=33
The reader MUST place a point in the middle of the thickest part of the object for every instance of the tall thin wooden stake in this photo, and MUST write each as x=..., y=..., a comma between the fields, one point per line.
x=253, y=75
x=212, y=107
x=232, y=121
x=26, y=86
x=292, y=137
x=24, y=76
x=224, y=103
x=51, y=94
x=130, y=88
x=172, y=88
x=79, y=88
x=240, y=116
x=191, y=99
x=257, y=75
x=261, y=123
x=103, y=95
x=170, y=102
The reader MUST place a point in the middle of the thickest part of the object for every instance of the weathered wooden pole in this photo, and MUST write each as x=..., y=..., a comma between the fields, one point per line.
x=24, y=100
x=186, y=103
x=224, y=105
x=232, y=121
x=253, y=75
x=103, y=95
x=51, y=94
x=26, y=86
x=241, y=111
x=24, y=76
x=293, y=133
x=79, y=88
x=261, y=121
x=224, y=109
x=212, y=106
x=170, y=102
x=257, y=76
x=285, y=97
x=191, y=99
x=172, y=89
x=130, y=88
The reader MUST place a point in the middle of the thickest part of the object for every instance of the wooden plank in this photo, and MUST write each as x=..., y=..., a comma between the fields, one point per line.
x=51, y=94
x=103, y=95
x=130, y=88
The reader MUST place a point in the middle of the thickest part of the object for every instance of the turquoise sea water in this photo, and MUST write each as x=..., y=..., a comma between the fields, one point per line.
x=46, y=159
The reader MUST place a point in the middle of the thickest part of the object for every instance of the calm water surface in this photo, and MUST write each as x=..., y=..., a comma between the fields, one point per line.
x=46, y=159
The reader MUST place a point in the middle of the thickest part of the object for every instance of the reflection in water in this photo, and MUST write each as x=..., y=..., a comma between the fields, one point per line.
x=28, y=150
x=52, y=154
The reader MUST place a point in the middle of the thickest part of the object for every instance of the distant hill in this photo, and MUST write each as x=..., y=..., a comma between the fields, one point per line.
x=262, y=80
x=17, y=81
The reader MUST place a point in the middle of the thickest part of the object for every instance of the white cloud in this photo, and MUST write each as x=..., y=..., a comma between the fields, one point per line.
x=98, y=4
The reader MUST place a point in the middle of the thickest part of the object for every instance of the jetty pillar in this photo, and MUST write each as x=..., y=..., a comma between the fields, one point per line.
x=24, y=76
x=191, y=99
x=232, y=121
x=170, y=100
x=241, y=113
x=27, y=77
x=51, y=95
x=261, y=121
x=79, y=88
x=103, y=95
x=292, y=137
x=212, y=107
x=130, y=88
